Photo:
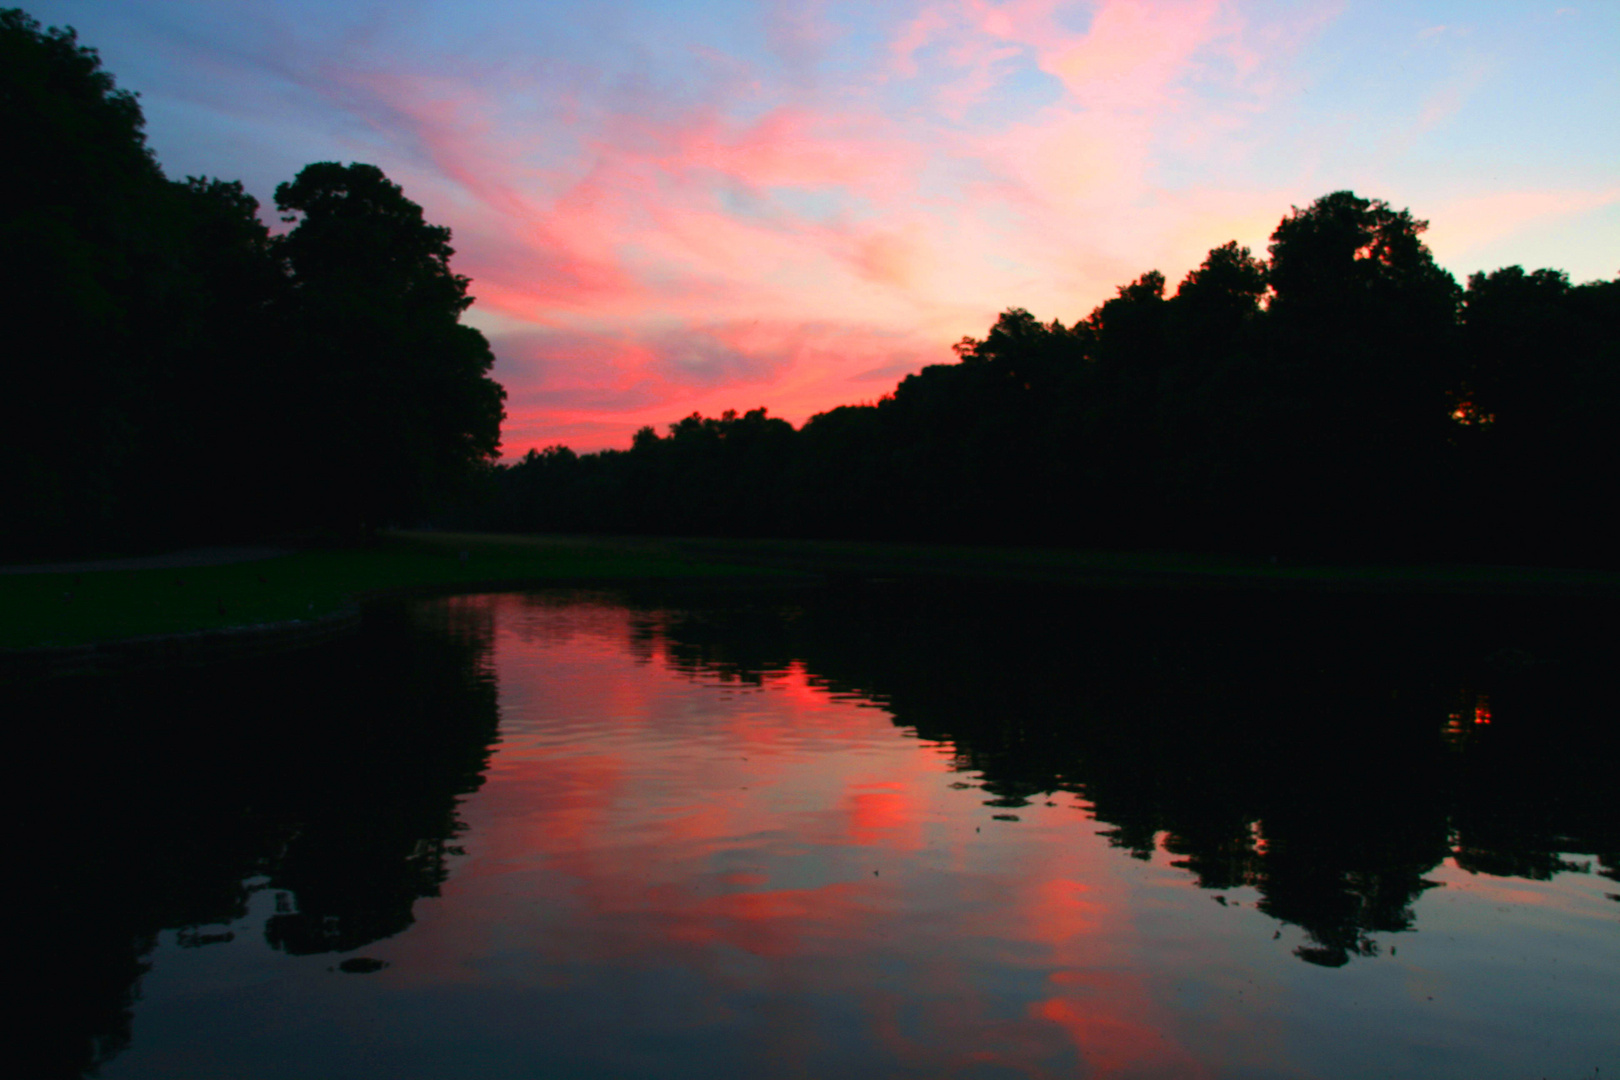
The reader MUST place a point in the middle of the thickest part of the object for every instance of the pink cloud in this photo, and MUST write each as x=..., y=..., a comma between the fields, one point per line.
x=613, y=382
x=1134, y=54
x=794, y=146
x=861, y=187
x=647, y=257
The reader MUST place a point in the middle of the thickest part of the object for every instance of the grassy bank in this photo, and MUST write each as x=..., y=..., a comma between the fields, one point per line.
x=62, y=609
x=1140, y=569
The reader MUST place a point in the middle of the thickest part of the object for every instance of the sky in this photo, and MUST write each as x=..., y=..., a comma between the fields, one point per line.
x=669, y=207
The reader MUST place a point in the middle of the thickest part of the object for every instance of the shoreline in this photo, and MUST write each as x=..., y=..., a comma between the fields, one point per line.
x=186, y=649
x=170, y=560
x=84, y=629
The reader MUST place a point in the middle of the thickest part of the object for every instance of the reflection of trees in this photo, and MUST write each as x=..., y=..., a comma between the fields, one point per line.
x=1295, y=745
x=1511, y=820
x=389, y=791
x=330, y=778
x=1298, y=746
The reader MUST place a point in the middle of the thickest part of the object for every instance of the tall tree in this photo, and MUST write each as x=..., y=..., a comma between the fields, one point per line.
x=1363, y=323
x=78, y=188
x=399, y=400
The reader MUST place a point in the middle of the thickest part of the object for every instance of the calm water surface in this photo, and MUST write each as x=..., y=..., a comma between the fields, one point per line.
x=874, y=832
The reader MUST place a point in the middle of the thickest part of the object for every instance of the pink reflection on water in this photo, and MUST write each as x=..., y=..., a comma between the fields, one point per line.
x=785, y=846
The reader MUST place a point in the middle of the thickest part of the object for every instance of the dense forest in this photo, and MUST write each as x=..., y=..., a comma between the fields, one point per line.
x=177, y=372
x=1343, y=397
x=174, y=372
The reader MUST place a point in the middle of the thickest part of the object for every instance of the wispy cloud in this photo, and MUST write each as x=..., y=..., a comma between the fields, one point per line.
x=668, y=207
x=1464, y=228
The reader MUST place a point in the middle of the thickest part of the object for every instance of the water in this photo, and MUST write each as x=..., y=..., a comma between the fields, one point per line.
x=874, y=831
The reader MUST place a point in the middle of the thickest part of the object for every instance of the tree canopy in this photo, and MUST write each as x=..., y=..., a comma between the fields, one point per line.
x=400, y=396
x=1342, y=397
x=175, y=371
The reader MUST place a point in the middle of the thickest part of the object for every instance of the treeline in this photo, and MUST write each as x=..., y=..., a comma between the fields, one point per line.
x=1341, y=397
x=173, y=372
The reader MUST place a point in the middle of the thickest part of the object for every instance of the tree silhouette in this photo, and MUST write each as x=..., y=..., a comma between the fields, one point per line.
x=400, y=398
x=173, y=373
x=209, y=461
x=1342, y=398
x=1535, y=403
x=1361, y=323
x=75, y=194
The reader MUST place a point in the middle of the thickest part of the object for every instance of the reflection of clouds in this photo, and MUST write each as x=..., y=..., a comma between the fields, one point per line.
x=882, y=815
x=800, y=861
x=689, y=848
x=671, y=795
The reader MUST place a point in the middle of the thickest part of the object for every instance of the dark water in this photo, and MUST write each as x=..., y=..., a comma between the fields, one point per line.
x=877, y=831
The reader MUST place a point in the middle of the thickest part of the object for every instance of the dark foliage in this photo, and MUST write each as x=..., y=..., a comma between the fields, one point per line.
x=74, y=191
x=399, y=401
x=175, y=373
x=1343, y=398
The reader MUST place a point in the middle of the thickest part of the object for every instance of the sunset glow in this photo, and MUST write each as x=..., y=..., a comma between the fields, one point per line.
x=788, y=854
x=675, y=207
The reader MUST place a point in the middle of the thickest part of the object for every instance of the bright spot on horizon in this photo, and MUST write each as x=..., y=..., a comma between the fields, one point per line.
x=678, y=207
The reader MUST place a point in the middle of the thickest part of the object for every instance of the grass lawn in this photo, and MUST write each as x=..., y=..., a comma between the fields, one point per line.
x=74, y=609
x=109, y=605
